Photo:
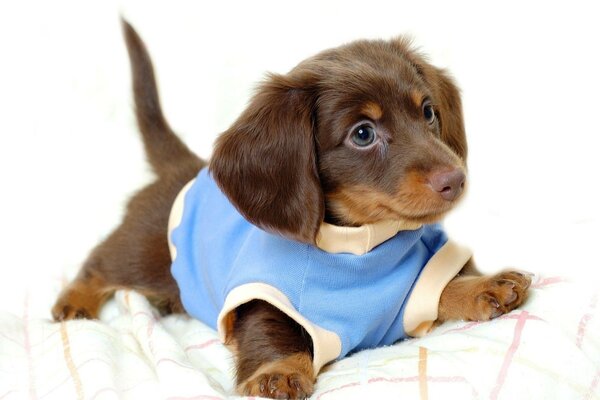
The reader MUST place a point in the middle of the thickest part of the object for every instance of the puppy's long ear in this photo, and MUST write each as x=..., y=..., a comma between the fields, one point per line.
x=449, y=109
x=266, y=162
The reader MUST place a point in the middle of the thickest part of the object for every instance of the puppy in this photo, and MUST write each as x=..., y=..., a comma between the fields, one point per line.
x=312, y=233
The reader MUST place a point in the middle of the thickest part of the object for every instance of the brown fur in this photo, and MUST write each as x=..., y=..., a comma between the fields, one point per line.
x=271, y=346
x=288, y=164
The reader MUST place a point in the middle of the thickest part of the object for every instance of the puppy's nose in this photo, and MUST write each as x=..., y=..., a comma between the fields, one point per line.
x=449, y=184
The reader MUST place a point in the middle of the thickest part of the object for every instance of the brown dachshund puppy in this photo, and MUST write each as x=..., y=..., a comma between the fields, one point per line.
x=356, y=135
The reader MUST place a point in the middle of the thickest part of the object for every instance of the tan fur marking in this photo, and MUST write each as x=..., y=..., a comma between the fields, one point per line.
x=481, y=298
x=82, y=298
x=413, y=201
x=229, y=321
x=372, y=110
x=295, y=370
x=417, y=97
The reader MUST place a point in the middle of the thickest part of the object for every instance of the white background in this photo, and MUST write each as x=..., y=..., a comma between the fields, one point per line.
x=70, y=155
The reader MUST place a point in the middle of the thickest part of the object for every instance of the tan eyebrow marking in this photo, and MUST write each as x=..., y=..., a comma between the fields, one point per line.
x=372, y=110
x=416, y=97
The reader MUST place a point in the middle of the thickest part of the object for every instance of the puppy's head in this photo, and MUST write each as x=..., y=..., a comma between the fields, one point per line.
x=357, y=134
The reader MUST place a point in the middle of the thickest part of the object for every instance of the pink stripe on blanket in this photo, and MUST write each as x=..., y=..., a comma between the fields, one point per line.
x=529, y=317
x=548, y=281
x=149, y=328
x=473, y=324
x=202, y=345
x=465, y=327
x=523, y=317
x=585, y=319
x=348, y=385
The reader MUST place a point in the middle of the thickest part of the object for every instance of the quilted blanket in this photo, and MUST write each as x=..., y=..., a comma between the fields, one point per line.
x=70, y=156
x=549, y=349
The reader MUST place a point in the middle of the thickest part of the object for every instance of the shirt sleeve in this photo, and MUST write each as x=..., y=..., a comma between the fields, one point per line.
x=421, y=309
x=327, y=345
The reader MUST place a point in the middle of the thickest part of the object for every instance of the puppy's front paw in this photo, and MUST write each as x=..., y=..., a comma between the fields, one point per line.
x=279, y=386
x=289, y=378
x=500, y=294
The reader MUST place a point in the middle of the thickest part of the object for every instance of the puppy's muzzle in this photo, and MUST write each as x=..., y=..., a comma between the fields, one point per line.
x=449, y=184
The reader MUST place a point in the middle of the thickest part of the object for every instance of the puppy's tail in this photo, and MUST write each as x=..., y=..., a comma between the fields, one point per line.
x=165, y=151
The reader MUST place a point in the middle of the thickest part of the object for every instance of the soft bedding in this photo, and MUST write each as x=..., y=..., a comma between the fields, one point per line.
x=70, y=156
x=549, y=349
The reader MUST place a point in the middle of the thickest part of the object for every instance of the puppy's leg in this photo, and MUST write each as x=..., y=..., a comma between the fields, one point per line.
x=471, y=296
x=273, y=353
x=84, y=296
x=134, y=256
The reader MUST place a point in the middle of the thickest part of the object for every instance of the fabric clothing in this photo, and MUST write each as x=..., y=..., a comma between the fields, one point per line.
x=350, y=302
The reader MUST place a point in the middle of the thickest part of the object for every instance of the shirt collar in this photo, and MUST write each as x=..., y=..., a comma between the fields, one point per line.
x=362, y=239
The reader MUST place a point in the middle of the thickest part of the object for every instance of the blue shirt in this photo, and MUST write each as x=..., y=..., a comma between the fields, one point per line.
x=359, y=298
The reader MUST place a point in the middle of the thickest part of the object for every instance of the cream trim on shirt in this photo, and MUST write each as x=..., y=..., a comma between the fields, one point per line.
x=421, y=310
x=176, y=215
x=360, y=240
x=327, y=345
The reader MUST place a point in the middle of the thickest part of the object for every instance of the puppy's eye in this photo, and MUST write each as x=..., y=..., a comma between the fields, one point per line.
x=363, y=135
x=428, y=112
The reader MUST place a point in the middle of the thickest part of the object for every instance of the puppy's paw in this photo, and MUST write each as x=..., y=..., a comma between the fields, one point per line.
x=65, y=312
x=289, y=378
x=279, y=386
x=76, y=304
x=500, y=294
